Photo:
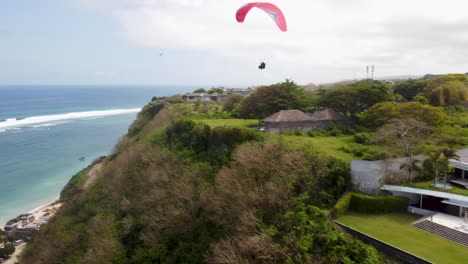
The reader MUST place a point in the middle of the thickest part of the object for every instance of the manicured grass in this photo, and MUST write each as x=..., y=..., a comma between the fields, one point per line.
x=396, y=229
x=428, y=185
x=229, y=122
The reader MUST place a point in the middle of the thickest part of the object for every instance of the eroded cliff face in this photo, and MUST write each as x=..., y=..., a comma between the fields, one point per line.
x=178, y=191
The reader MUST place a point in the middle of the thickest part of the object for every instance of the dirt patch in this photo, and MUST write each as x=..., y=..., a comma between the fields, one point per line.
x=92, y=175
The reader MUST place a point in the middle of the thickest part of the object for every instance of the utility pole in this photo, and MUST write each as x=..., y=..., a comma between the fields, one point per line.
x=367, y=72
x=373, y=67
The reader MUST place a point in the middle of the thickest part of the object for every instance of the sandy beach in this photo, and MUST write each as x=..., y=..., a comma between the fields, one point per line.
x=48, y=209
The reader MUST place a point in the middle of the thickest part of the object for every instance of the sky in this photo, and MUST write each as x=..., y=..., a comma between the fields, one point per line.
x=119, y=42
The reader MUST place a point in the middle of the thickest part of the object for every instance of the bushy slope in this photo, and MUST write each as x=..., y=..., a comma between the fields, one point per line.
x=177, y=191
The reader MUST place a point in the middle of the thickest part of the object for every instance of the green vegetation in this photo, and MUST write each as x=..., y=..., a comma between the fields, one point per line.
x=191, y=184
x=246, y=123
x=330, y=146
x=396, y=230
x=7, y=250
x=450, y=89
x=76, y=184
x=146, y=114
x=409, y=89
x=360, y=203
x=184, y=192
x=268, y=100
x=381, y=113
x=355, y=98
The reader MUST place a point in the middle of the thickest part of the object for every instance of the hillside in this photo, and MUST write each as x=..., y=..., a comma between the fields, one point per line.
x=180, y=191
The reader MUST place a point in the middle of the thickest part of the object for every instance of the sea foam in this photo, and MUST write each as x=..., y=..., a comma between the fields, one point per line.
x=13, y=122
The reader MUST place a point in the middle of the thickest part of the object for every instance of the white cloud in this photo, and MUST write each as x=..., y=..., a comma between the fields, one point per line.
x=326, y=40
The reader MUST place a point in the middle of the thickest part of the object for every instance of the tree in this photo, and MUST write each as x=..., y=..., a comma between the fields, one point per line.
x=444, y=163
x=200, y=90
x=434, y=157
x=405, y=133
x=216, y=90
x=381, y=113
x=233, y=104
x=410, y=88
x=268, y=100
x=7, y=250
x=357, y=97
x=447, y=90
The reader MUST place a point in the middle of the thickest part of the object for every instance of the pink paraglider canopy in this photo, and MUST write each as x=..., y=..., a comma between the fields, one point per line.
x=269, y=8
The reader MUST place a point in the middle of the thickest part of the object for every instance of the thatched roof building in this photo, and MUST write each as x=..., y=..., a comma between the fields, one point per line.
x=289, y=120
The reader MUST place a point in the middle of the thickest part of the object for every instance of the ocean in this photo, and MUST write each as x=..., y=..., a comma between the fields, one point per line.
x=46, y=130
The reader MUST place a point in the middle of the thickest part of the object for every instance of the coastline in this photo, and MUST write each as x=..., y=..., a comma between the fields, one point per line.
x=39, y=208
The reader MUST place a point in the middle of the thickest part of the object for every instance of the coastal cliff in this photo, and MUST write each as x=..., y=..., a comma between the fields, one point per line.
x=176, y=190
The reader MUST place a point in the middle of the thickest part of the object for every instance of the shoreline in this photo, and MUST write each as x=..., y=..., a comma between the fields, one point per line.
x=35, y=210
x=40, y=207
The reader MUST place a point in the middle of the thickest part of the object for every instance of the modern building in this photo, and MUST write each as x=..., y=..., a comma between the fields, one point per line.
x=427, y=202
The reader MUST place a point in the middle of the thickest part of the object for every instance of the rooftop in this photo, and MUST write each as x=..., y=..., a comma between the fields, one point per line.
x=452, y=198
x=428, y=185
x=299, y=116
x=288, y=116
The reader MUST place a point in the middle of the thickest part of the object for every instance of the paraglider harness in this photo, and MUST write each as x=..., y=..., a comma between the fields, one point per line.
x=262, y=66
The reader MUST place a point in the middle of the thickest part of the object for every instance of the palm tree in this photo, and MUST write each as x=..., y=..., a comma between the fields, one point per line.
x=440, y=159
x=448, y=154
x=435, y=156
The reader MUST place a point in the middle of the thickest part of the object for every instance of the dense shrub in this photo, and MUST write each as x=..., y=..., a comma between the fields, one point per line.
x=362, y=138
x=361, y=203
x=200, y=142
x=374, y=154
x=7, y=250
x=76, y=183
x=313, y=236
x=355, y=149
x=295, y=132
x=341, y=206
x=316, y=133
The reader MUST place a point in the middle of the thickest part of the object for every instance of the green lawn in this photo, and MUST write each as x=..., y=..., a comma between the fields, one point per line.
x=396, y=229
x=229, y=122
x=331, y=146
x=428, y=185
x=328, y=145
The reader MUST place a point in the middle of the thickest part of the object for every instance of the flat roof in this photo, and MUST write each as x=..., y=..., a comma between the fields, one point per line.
x=459, y=164
x=455, y=198
x=457, y=203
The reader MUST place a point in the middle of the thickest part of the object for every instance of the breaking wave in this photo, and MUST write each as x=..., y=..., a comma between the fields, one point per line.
x=13, y=122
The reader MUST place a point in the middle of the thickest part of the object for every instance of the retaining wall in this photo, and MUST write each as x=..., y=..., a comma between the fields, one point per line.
x=368, y=176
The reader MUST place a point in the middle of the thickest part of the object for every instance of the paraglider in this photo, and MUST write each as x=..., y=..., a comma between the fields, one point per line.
x=275, y=13
x=268, y=8
x=262, y=65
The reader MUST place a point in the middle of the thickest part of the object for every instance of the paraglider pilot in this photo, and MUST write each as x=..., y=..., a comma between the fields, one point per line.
x=262, y=66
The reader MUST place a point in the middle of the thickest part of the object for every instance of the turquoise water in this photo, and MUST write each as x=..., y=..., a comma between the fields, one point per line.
x=38, y=156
